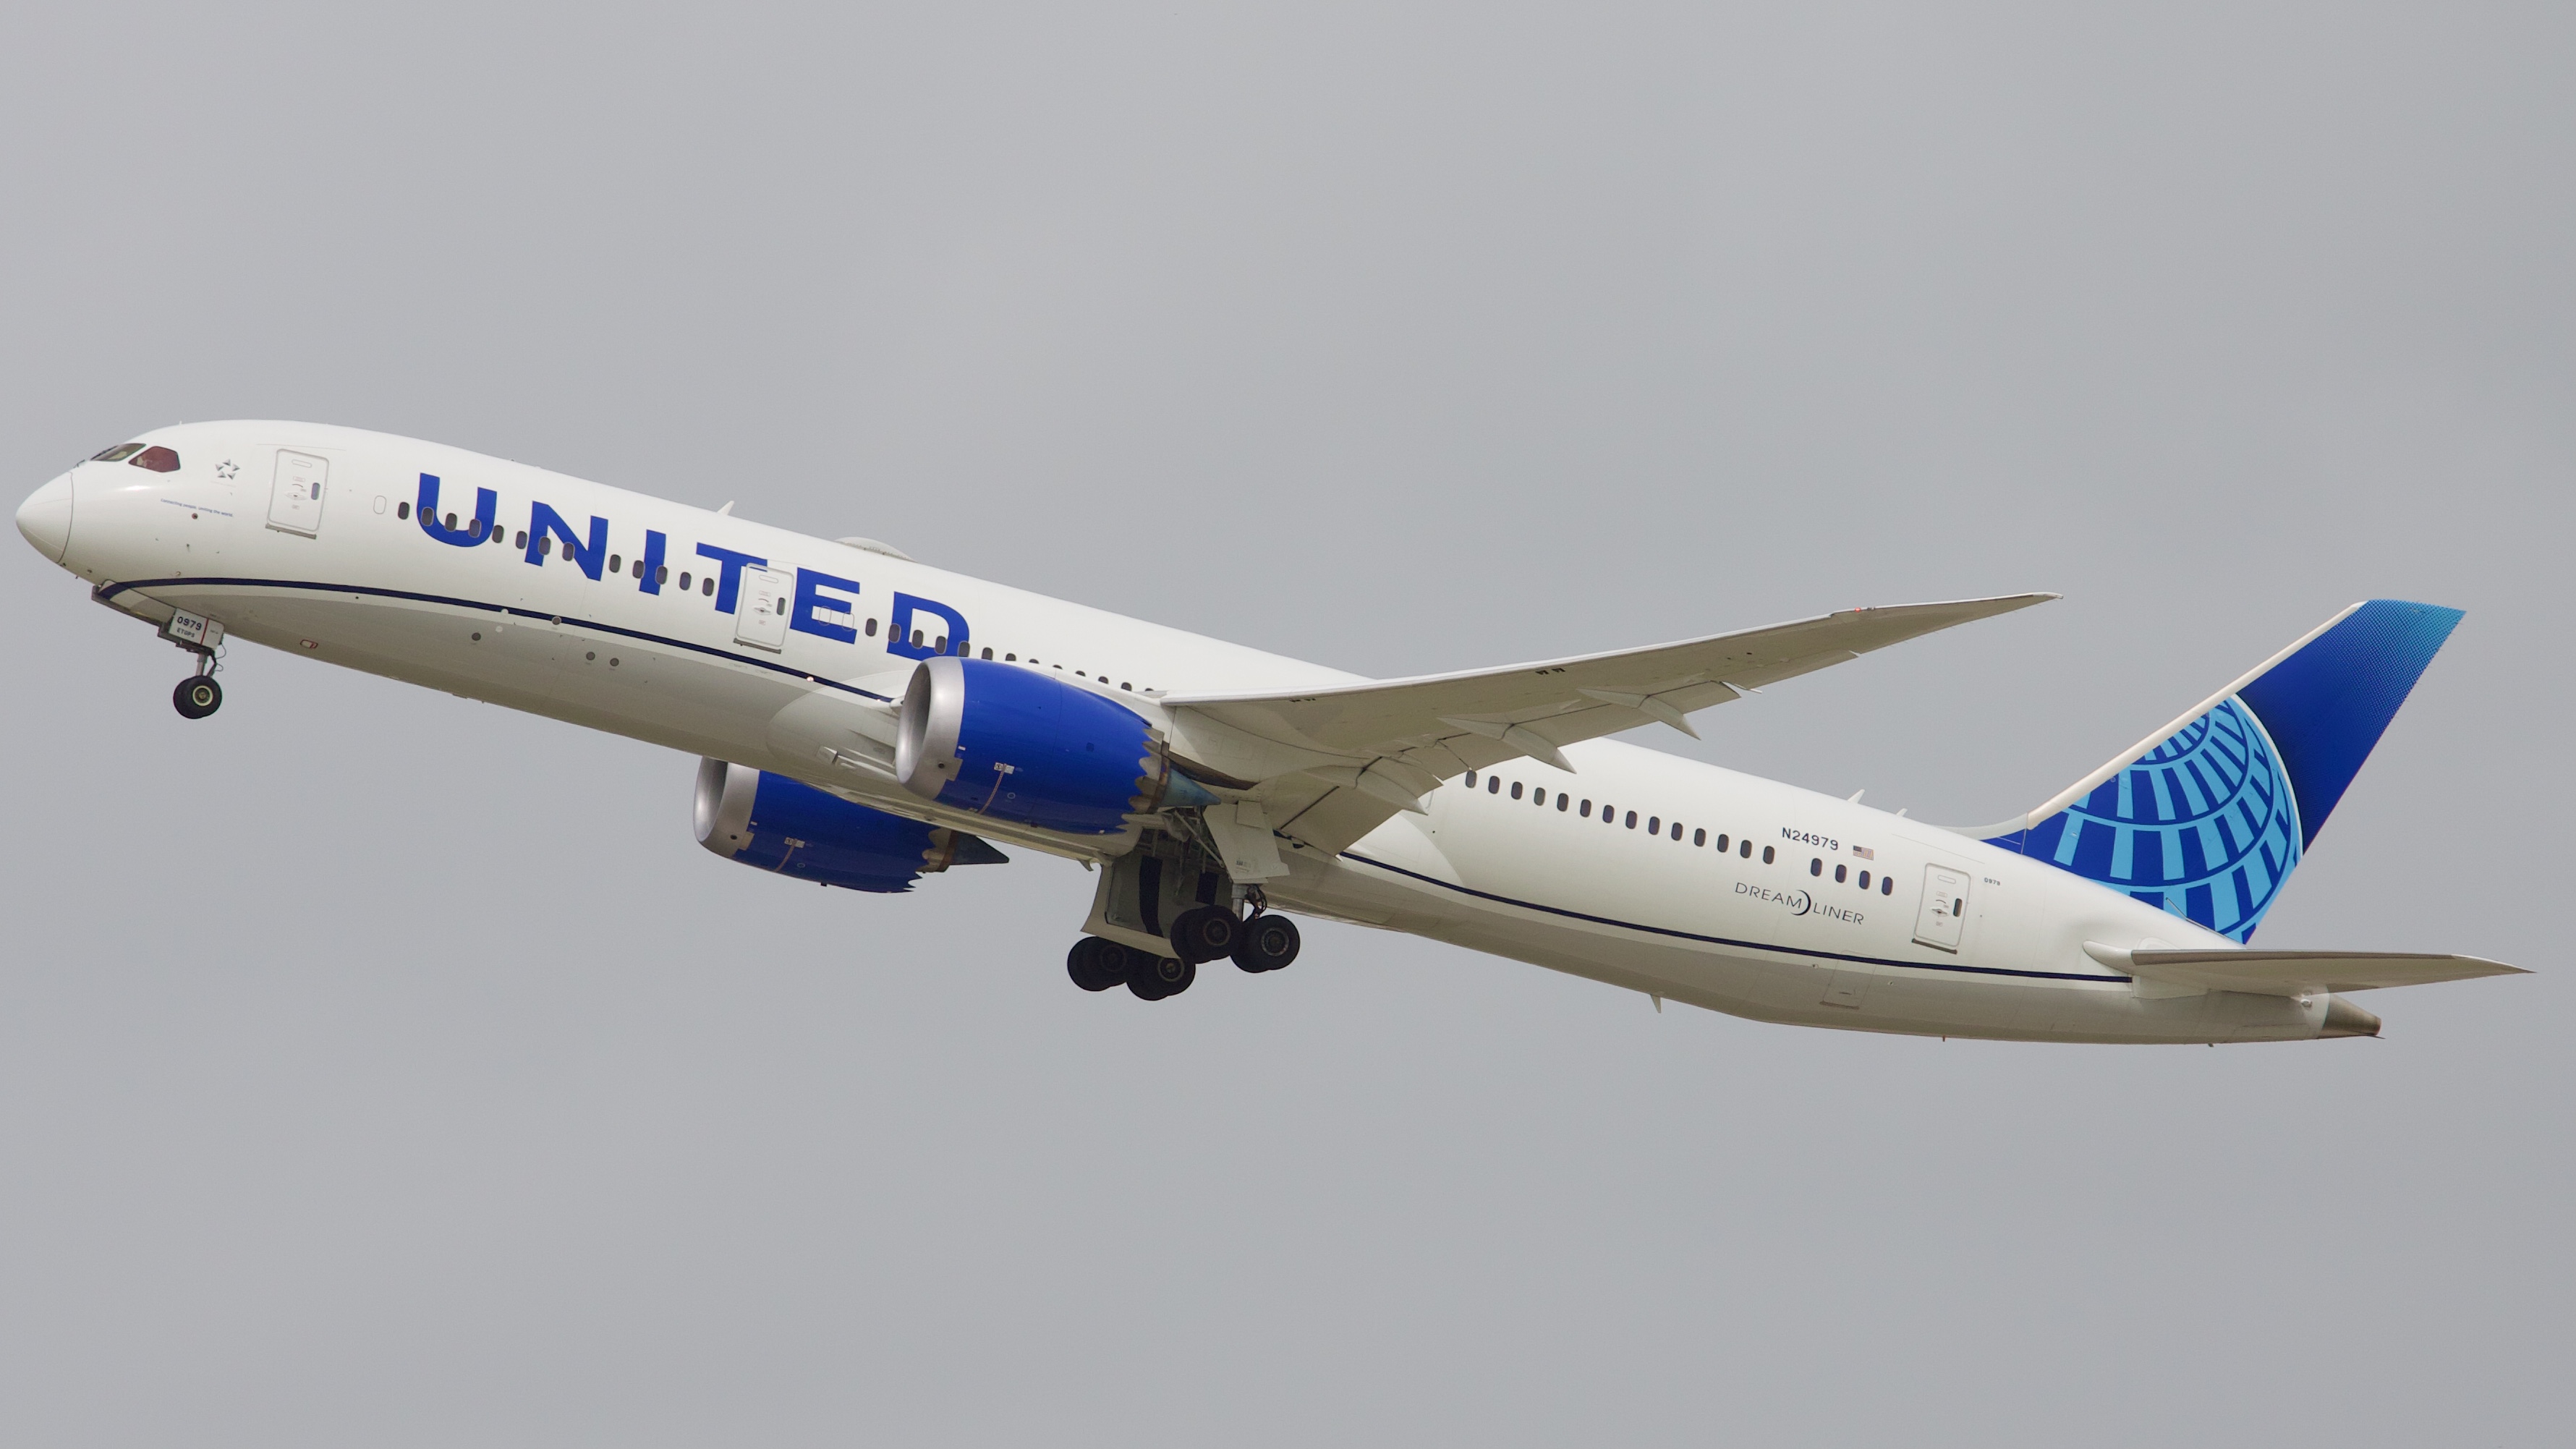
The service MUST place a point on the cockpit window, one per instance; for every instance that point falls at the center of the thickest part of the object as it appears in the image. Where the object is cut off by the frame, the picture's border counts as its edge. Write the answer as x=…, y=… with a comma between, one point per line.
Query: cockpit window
x=159, y=460
x=118, y=454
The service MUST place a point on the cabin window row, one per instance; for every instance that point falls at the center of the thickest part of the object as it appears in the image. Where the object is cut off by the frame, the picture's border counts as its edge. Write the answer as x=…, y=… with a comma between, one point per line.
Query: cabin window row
x=1611, y=815
x=1656, y=826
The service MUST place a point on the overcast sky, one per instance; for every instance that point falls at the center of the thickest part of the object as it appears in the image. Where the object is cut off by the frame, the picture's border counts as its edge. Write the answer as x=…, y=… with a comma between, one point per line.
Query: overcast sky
x=382, y=1068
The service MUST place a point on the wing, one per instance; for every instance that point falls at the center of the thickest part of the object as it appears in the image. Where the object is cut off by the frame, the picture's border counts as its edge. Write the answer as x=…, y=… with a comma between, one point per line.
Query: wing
x=2286, y=973
x=1328, y=766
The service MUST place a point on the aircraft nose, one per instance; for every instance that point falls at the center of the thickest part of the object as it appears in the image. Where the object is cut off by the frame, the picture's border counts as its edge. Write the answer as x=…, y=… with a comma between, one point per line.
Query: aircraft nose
x=46, y=518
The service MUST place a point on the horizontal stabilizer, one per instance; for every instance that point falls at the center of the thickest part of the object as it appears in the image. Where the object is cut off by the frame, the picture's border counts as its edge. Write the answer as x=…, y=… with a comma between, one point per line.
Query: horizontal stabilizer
x=2287, y=973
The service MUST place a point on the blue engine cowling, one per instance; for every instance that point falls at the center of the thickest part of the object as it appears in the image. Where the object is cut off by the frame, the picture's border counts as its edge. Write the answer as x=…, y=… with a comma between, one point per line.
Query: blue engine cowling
x=782, y=825
x=1020, y=745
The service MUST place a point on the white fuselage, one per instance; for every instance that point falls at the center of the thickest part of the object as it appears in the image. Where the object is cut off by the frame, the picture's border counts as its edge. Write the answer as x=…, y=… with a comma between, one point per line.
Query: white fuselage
x=1786, y=933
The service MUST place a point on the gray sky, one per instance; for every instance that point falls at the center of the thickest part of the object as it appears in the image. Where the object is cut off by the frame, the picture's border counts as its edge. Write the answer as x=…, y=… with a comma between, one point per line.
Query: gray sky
x=378, y=1067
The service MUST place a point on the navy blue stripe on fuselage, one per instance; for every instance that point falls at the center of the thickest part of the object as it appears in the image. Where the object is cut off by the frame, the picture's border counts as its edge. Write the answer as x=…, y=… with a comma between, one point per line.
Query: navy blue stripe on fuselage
x=1724, y=941
x=110, y=591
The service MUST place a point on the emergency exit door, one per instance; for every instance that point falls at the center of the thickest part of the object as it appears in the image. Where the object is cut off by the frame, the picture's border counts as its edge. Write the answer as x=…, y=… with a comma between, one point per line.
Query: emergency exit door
x=295, y=495
x=1943, y=920
x=760, y=609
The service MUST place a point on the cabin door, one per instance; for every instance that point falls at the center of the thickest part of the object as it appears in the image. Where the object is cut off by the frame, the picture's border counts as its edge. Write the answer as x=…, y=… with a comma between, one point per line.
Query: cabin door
x=1943, y=919
x=295, y=494
x=760, y=609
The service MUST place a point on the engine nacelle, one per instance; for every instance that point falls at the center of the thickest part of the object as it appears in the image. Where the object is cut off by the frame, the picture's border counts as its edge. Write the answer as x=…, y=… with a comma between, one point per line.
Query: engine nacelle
x=783, y=825
x=1020, y=745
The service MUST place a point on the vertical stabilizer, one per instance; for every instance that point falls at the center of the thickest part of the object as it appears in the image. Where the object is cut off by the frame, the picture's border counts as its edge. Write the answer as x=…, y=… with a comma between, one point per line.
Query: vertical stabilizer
x=2207, y=817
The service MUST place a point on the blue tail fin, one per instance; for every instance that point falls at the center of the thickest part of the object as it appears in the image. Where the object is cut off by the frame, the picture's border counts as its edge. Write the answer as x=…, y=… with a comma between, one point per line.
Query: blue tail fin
x=2208, y=817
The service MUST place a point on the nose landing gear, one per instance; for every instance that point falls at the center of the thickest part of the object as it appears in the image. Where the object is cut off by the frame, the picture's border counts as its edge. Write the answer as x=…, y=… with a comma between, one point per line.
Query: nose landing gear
x=197, y=695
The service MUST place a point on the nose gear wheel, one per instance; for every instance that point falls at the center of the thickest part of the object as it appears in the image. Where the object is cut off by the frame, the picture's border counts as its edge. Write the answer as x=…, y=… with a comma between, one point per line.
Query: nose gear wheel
x=197, y=696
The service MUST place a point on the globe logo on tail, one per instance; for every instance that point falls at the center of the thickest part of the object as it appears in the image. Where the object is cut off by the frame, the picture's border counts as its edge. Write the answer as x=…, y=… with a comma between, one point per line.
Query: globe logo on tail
x=2204, y=825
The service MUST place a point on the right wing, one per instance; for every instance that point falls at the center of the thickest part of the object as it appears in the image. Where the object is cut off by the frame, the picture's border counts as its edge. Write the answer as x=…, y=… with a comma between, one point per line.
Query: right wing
x=1329, y=765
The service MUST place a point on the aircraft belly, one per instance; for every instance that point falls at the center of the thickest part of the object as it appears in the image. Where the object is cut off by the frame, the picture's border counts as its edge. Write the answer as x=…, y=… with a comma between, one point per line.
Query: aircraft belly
x=1783, y=985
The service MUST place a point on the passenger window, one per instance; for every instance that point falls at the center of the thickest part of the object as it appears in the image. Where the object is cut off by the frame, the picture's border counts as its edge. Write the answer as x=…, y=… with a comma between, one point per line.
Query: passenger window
x=916, y=642
x=1816, y=865
x=162, y=460
x=1887, y=885
x=523, y=541
x=1563, y=800
x=1864, y=880
x=450, y=525
x=988, y=653
x=1699, y=837
x=639, y=568
x=1677, y=830
x=1471, y=779
x=707, y=585
x=1587, y=809
x=1014, y=659
x=1722, y=844
x=872, y=628
x=118, y=454
x=1841, y=871
x=1654, y=825
x=1493, y=784
x=1766, y=852
x=402, y=510
x=662, y=575
x=1516, y=789
x=545, y=545
x=616, y=565
x=939, y=646
x=1632, y=819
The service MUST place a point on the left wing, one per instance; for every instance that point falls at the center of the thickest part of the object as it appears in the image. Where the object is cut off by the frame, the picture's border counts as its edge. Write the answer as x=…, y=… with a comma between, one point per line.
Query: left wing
x=1330, y=765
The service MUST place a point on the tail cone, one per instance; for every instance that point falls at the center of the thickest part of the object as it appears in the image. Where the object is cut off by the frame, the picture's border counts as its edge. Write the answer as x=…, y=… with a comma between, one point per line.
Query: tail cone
x=2345, y=1019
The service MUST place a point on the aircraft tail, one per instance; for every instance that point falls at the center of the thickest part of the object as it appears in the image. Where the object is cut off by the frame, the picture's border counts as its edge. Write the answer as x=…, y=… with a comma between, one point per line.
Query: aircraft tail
x=2208, y=816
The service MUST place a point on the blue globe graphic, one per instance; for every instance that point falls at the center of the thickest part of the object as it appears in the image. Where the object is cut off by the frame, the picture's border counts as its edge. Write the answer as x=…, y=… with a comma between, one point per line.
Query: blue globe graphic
x=2203, y=825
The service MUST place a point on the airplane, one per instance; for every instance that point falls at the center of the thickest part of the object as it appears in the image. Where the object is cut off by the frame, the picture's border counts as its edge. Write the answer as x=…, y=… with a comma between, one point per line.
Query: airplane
x=863, y=720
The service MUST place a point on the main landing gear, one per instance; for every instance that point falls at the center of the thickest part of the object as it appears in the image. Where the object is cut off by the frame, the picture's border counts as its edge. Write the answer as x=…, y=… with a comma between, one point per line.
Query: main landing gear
x=1263, y=942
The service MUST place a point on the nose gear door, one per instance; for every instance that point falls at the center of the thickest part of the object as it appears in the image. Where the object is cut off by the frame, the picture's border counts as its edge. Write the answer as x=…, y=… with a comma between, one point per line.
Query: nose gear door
x=1943, y=918
x=295, y=494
